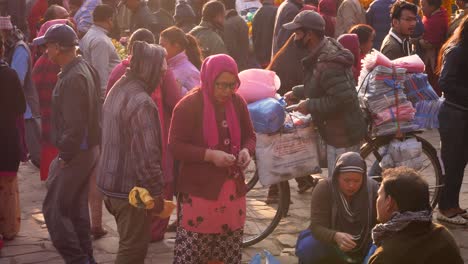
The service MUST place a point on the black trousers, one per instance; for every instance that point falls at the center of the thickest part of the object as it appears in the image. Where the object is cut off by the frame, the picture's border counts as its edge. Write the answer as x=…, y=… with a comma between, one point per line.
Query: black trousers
x=453, y=129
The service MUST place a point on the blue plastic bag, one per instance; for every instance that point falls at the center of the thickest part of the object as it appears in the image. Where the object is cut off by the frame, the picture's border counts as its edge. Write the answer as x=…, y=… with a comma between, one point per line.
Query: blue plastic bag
x=267, y=115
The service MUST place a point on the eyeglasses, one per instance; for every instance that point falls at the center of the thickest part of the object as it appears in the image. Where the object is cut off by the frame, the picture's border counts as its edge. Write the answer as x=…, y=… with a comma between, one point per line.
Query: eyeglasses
x=225, y=85
x=409, y=19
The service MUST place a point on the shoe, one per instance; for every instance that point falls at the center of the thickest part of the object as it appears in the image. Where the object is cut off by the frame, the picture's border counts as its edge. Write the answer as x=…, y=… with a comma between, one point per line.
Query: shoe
x=455, y=220
x=464, y=214
x=99, y=232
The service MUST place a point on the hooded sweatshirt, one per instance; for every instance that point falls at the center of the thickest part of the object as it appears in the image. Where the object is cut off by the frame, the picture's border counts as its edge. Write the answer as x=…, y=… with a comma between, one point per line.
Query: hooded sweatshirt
x=328, y=214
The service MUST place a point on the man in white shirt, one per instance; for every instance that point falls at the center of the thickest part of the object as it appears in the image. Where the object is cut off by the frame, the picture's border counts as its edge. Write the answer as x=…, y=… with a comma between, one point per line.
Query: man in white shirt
x=97, y=47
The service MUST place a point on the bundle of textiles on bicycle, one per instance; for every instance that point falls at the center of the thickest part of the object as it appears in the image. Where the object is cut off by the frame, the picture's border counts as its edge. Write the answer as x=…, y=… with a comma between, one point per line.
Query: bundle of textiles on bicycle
x=417, y=88
x=397, y=94
x=424, y=99
x=427, y=114
x=406, y=153
x=382, y=94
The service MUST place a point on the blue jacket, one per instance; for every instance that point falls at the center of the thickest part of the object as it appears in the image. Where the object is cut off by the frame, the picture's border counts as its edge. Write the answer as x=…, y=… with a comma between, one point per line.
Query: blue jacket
x=378, y=17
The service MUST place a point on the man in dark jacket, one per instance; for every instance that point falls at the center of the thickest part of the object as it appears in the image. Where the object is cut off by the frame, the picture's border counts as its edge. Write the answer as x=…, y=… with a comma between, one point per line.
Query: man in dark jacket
x=331, y=97
x=209, y=33
x=406, y=233
x=141, y=15
x=164, y=17
x=184, y=16
x=286, y=13
x=404, y=19
x=75, y=131
x=236, y=38
x=262, y=31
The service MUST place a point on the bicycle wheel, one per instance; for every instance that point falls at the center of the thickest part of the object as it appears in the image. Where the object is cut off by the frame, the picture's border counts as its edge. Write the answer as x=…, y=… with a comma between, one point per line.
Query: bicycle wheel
x=262, y=217
x=431, y=170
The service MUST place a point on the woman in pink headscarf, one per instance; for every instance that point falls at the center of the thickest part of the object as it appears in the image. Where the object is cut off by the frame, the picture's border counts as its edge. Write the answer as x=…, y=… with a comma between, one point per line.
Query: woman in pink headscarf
x=212, y=137
x=327, y=9
x=351, y=42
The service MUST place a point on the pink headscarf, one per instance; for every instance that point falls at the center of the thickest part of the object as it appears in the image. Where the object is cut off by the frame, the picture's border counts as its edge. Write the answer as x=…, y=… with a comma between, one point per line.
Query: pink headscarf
x=351, y=42
x=212, y=67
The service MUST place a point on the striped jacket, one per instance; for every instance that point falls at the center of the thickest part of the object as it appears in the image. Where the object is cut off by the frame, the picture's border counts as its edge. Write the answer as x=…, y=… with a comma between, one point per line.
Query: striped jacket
x=131, y=141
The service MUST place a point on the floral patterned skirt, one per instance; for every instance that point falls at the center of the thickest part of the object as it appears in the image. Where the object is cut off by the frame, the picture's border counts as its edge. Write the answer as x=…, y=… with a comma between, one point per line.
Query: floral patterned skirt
x=225, y=214
x=10, y=214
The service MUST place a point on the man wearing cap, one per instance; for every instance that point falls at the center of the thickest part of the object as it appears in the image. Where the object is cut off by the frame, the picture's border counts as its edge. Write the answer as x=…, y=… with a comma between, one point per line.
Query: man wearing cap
x=97, y=47
x=75, y=131
x=328, y=93
x=18, y=55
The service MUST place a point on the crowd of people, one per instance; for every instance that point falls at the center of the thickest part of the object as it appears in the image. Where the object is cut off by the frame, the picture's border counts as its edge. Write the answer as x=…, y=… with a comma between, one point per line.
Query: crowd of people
x=165, y=116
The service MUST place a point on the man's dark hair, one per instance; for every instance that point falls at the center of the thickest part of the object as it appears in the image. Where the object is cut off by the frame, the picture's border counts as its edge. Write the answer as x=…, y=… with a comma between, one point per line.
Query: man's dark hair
x=363, y=31
x=435, y=3
x=211, y=10
x=102, y=13
x=229, y=4
x=399, y=6
x=50, y=13
x=168, y=5
x=407, y=187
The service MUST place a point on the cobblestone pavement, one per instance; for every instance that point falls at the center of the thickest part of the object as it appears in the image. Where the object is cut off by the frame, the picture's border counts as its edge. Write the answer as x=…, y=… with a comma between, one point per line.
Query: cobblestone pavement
x=32, y=245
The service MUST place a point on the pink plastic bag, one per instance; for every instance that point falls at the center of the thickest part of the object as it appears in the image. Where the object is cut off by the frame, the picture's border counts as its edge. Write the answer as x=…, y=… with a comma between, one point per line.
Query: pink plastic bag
x=258, y=84
x=412, y=64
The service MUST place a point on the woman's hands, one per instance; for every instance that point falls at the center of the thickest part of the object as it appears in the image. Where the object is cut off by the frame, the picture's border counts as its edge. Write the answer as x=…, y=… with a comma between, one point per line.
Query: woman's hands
x=223, y=159
x=344, y=241
x=244, y=158
x=219, y=158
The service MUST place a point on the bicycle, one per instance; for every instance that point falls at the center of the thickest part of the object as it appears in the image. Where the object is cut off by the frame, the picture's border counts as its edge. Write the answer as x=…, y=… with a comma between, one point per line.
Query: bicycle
x=371, y=151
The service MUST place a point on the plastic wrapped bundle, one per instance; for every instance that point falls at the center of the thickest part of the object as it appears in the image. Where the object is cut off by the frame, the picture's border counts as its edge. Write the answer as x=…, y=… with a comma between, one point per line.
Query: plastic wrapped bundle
x=427, y=114
x=411, y=63
x=296, y=120
x=417, y=88
x=393, y=127
x=380, y=81
x=379, y=103
x=402, y=113
x=267, y=115
x=258, y=84
x=406, y=153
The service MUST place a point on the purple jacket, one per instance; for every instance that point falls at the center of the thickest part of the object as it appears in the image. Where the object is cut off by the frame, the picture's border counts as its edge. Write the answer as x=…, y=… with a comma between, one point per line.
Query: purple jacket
x=186, y=74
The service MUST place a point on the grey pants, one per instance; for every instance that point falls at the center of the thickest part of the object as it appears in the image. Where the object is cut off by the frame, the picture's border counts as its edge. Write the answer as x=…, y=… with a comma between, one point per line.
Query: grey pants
x=134, y=227
x=334, y=153
x=65, y=207
x=32, y=129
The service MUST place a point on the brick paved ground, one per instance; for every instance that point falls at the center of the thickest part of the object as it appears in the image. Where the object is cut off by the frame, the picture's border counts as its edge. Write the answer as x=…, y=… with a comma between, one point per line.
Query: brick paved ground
x=33, y=245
